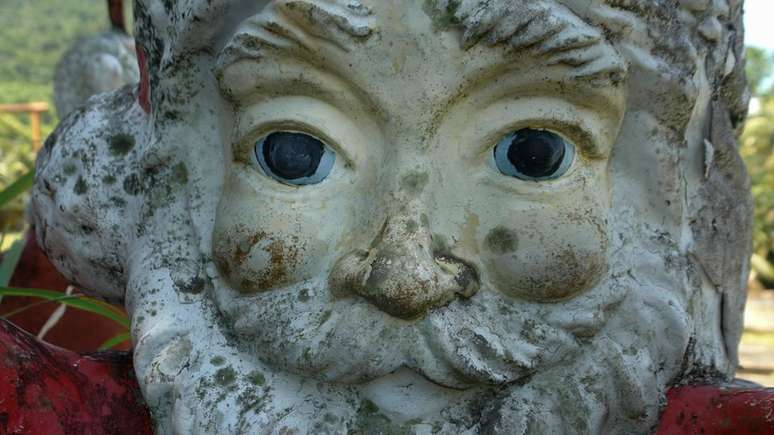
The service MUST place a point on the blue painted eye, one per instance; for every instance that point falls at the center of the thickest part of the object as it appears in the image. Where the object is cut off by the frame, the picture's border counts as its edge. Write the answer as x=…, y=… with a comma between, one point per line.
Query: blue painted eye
x=534, y=155
x=294, y=158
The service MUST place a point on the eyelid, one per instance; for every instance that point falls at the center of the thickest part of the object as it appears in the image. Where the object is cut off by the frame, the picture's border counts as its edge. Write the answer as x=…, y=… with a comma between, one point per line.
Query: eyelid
x=302, y=115
x=246, y=146
x=578, y=138
x=576, y=125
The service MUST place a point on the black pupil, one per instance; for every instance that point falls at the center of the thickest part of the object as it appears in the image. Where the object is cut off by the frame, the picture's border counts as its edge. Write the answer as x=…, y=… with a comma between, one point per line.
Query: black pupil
x=292, y=155
x=536, y=153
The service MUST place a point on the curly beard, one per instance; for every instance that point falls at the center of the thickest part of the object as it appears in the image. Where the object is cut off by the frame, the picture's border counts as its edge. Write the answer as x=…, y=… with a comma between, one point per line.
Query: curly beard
x=595, y=364
x=489, y=339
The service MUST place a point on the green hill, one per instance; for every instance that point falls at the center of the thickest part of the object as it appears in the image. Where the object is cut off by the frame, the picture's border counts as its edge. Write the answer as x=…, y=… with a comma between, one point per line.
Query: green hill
x=33, y=37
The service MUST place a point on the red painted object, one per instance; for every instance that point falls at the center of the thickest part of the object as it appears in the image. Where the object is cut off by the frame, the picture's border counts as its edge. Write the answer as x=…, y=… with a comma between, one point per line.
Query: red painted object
x=143, y=94
x=718, y=411
x=77, y=330
x=48, y=390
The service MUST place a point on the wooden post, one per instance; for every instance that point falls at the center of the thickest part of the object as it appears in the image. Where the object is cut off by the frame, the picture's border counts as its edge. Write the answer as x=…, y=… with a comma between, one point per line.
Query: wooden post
x=35, y=125
x=34, y=109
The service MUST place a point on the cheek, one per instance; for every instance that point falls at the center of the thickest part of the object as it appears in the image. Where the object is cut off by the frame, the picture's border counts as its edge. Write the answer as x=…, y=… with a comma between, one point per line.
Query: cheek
x=546, y=258
x=262, y=244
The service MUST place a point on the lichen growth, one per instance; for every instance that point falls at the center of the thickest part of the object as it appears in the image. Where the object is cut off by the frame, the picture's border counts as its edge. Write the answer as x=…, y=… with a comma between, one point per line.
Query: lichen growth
x=81, y=187
x=120, y=144
x=502, y=241
x=256, y=378
x=225, y=376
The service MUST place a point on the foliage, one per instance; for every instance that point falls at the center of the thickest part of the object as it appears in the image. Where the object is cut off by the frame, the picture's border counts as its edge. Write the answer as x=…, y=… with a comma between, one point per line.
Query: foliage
x=33, y=37
x=76, y=301
x=759, y=69
x=757, y=147
x=81, y=302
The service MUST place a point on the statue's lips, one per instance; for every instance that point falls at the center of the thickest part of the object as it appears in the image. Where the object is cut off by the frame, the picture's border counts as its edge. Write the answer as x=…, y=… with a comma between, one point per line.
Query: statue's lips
x=404, y=284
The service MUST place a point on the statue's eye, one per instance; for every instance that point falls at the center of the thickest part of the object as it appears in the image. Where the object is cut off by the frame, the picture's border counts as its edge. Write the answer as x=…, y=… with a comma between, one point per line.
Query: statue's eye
x=294, y=158
x=534, y=155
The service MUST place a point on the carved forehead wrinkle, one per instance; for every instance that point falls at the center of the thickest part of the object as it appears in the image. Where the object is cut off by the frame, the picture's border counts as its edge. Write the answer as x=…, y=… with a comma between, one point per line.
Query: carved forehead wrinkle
x=546, y=29
x=550, y=32
x=289, y=24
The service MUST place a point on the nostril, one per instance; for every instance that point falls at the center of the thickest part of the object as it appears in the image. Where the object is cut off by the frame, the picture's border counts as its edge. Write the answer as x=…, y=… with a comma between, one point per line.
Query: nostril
x=403, y=283
x=465, y=276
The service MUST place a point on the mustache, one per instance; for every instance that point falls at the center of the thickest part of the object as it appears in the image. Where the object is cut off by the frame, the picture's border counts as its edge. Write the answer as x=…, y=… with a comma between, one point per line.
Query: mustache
x=488, y=339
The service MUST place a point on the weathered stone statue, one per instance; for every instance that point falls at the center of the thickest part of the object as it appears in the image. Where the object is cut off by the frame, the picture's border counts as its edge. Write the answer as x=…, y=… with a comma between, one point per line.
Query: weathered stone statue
x=414, y=216
x=99, y=63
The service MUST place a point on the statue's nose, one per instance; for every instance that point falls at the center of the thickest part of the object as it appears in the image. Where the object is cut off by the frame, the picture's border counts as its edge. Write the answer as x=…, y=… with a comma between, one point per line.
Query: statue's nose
x=400, y=273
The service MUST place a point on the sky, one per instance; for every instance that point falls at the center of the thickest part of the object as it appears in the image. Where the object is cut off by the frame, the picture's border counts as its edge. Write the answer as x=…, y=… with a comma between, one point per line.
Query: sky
x=758, y=23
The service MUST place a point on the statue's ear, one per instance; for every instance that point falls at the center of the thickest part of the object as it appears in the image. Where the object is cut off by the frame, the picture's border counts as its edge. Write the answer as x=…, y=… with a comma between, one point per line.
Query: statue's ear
x=86, y=189
x=721, y=222
x=734, y=90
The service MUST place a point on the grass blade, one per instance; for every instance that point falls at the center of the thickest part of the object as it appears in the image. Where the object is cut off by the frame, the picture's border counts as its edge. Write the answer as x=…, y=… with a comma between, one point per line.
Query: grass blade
x=20, y=310
x=21, y=185
x=77, y=301
x=115, y=341
x=10, y=261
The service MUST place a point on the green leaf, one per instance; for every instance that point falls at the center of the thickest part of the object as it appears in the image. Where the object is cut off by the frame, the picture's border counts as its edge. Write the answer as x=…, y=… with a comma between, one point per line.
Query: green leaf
x=10, y=261
x=23, y=184
x=20, y=310
x=76, y=301
x=115, y=341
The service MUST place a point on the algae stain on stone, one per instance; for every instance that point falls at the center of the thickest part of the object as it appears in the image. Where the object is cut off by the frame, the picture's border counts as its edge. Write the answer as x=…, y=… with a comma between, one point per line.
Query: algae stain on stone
x=120, y=144
x=225, y=376
x=412, y=226
x=414, y=183
x=441, y=20
x=502, y=240
x=256, y=378
x=81, y=187
x=180, y=173
x=70, y=169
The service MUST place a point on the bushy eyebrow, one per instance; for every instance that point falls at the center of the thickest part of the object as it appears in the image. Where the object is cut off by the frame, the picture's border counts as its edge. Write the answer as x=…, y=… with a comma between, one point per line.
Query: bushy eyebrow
x=546, y=29
x=543, y=29
x=289, y=25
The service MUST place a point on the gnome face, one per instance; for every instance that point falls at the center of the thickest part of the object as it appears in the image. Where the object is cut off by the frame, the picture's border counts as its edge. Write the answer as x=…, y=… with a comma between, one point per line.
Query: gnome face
x=495, y=212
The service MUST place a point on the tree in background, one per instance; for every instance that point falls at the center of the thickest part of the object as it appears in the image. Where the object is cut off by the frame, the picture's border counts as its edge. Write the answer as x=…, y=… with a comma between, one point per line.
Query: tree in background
x=759, y=68
x=758, y=152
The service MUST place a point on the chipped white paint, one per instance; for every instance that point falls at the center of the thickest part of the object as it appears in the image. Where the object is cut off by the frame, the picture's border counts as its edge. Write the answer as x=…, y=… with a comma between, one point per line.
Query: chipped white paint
x=417, y=289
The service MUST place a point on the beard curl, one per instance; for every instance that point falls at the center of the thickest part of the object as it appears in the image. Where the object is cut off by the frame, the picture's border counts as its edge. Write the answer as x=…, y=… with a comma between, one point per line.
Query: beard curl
x=618, y=381
x=490, y=339
x=615, y=379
